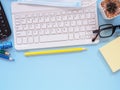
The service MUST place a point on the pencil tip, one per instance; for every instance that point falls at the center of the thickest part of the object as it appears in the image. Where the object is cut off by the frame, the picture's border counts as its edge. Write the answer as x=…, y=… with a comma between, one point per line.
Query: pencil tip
x=84, y=48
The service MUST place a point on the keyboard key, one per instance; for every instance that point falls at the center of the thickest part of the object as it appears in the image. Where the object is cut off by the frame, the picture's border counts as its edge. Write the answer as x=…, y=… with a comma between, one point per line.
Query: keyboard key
x=31, y=26
x=29, y=20
x=41, y=19
x=64, y=30
x=47, y=19
x=54, y=38
x=58, y=18
x=80, y=11
x=85, y=22
x=55, y=25
x=82, y=28
x=29, y=33
x=53, y=19
x=41, y=31
x=71, y=29
x=82, y=34
x=19, y=40
x=49, y=25
x=36, y=39
x=19, y=27
x=23, y=21
x=82, y=16
x=88, y=15
x=79, y=22
x=20, y=34
x=59, y=30
x=37, y=26
x=25, y=27
x=71, y=36
x=30, y=39
x=47, y=31
x=53, y=31
x=61, y=24
x=73, y=23
x=17, y=21
x=76, y=35
x=76, y=29
x=92, y=21
x=70, y=17
x=35, y=20
x=24, y=40
x=93, y=15
x=64, y=18
x=35, y=32
x=76, y=17
x=43, y=25
x=67, y=23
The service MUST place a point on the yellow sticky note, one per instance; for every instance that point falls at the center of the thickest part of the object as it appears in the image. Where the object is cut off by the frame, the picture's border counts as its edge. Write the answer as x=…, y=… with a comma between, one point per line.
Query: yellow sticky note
x=111, y=53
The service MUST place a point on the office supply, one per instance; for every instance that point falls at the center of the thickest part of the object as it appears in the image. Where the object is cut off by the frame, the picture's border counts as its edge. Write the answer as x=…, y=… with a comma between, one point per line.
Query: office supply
x=5, y=30
x=4, y=52
x=111, y=53
x=42, y=27
x=66, y=50
x=6, y=45
x=61, y=3
x=6, y=57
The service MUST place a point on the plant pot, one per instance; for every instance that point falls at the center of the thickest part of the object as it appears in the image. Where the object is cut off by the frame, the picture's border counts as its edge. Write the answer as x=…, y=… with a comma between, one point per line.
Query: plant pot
x=106, y=12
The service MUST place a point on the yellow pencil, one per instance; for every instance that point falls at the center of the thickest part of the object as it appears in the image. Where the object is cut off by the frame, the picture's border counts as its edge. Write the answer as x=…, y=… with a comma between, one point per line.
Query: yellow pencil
x=66, y=50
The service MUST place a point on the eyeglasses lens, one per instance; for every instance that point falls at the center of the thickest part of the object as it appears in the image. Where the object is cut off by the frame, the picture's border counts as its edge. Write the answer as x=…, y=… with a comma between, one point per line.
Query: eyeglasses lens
x=106, y=31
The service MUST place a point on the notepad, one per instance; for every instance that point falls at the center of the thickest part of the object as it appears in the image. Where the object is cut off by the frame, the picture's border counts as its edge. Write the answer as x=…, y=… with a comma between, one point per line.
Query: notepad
x=111, y=53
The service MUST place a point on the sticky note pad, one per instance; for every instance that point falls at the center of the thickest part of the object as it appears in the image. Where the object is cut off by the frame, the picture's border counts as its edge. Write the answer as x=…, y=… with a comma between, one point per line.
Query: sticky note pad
x=111, y=53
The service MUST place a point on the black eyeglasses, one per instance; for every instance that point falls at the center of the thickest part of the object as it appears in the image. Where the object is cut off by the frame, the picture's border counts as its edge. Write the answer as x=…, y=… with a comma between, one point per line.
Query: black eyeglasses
x=105, y=31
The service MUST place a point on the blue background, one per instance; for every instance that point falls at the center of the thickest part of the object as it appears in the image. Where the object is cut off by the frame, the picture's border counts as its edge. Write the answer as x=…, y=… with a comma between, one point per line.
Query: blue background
x=72, y=71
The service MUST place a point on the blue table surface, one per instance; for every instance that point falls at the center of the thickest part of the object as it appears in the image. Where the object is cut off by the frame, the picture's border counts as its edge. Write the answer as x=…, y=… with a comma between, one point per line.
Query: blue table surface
x=72, y=71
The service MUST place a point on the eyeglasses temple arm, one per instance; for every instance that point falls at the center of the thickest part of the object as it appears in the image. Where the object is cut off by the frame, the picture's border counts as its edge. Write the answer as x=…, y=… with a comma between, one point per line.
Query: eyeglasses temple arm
x=95, y=37
x=95, y=31
x=117, y=26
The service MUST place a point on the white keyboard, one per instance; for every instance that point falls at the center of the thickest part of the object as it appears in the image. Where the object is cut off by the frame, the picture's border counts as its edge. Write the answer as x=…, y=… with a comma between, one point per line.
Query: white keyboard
x=44, y=27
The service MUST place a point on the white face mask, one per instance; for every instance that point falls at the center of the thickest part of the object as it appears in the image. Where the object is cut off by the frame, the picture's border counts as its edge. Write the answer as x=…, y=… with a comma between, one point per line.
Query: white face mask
x=59, y=3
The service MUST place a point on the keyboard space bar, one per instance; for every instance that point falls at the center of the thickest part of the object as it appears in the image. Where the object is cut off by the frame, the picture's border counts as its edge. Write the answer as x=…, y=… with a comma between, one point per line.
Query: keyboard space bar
x=54, y=38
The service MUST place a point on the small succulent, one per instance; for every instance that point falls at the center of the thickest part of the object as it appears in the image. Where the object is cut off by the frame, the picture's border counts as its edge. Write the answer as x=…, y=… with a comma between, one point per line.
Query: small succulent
x=111, y=7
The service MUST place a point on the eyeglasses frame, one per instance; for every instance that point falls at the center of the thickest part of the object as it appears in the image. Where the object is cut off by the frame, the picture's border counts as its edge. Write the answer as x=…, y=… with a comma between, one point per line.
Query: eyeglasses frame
x=99, y=30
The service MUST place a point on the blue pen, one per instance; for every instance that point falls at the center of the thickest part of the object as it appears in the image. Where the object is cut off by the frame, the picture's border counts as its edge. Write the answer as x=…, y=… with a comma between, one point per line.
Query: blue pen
x=6, y=57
